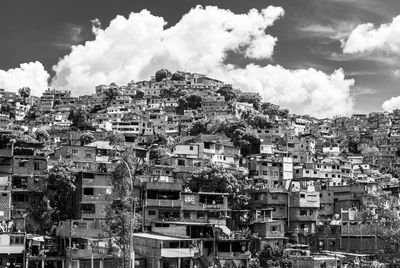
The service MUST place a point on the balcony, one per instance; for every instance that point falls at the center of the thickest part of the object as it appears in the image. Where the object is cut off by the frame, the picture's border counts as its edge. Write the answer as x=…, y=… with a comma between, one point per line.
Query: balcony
x=98, y=252
x=233, y=255
x=359, y=229
x=159, y=185
x=177, y=253
x=79, y=228
x=163, y=203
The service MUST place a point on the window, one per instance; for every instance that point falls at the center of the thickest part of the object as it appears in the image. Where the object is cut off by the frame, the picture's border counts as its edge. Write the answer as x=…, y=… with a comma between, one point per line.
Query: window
x=3, y=194
x=88, y=154
x=88, y=208
x=152, y=212
x=74, y=152
x=16, y=240
x=36, y=166
x=181, y=162
x=88, y=191
x=302, y=196
x=21, y=164
x=191, y=148
x=303, y=212
x=186, y=214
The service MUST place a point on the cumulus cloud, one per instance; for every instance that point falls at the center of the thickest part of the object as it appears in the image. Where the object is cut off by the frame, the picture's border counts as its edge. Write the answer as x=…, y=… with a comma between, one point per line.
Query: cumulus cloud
x=368, y=38
x=304, y=91
x=134, y=48
x=391, y=104
x=30, y=74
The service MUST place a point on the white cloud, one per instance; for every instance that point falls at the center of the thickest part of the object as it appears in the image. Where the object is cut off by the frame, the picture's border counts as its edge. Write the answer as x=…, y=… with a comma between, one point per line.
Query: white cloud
x=391, y=104
x=367, y=38
x=304, y=91
x=134, y=48
x=30, y=74
x=334, y=31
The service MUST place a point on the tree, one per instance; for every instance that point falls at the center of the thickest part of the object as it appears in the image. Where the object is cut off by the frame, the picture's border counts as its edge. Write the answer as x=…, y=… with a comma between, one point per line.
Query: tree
x=162, y=74
x=24, y=92
x=259, y=121
x=79, y=118
x=178, y=76
x=248, y=141
x=199, y=127
x=273, y=257
x=86, y=138
x=376, y=209
x=117, y=140
x=111, y=93
x=118, y=215
x=214, y=178
x=54, y=203
x=370, y=154
x=192, y=101
x=172, y=92
x=252, y=98
x=42, y=135
x=227, y=92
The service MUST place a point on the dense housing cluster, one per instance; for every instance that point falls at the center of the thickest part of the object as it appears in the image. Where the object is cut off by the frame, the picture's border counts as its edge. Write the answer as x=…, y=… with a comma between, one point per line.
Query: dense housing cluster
x=218, y=178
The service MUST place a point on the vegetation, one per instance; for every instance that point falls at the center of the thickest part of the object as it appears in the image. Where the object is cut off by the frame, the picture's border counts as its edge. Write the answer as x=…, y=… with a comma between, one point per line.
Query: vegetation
x=54, y=203
x=214, y=178
x=118, y=217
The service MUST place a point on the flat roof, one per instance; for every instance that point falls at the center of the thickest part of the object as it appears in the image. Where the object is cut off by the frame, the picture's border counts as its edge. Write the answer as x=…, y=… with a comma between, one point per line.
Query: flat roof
x=159, y=237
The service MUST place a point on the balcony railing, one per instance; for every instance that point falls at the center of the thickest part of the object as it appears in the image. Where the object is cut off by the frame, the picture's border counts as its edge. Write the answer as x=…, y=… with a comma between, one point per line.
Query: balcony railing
x=233, y=255
x=163, y=203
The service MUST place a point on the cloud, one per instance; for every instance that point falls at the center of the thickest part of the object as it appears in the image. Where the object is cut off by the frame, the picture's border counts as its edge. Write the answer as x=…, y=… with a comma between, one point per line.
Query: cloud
x=391, y=104
x=134, y=48
x=304, y=91
x=30, y=74
x=335, y=31
x=368, y=38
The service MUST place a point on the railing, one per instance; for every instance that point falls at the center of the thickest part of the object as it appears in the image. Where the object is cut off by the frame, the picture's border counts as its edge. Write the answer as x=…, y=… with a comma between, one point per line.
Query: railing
x=233, y=255
x=163, y=203
x=359, y=229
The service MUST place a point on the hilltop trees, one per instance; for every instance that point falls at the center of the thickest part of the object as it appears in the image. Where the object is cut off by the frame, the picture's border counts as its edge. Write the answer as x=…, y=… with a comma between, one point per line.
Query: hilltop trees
x=227, y=92
x=252, y=98
x=162, y=74
x=24, y=92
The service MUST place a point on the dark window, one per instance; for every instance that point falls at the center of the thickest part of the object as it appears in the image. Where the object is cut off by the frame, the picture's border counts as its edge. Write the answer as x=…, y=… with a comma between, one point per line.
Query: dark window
x=186, y=214
x=3, y=194
x=36, y=166
x=88, y=208
x=21, y=164
x=152, y=212
x=88, y=191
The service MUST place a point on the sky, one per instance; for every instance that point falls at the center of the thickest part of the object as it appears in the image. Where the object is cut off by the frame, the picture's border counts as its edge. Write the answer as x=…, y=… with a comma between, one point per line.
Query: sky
x=323, y=58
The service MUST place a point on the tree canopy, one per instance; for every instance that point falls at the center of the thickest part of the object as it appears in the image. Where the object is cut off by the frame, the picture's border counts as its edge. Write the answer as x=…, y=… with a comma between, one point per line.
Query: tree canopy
x=214, y=178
